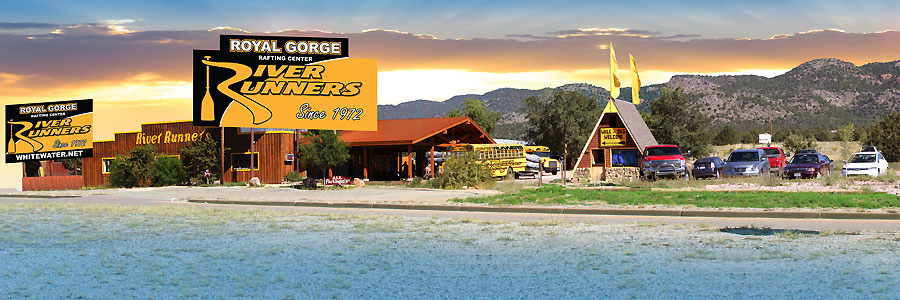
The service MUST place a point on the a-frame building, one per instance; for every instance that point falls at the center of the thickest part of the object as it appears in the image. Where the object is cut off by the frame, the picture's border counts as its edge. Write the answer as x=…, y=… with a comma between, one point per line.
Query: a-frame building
x=612, y=152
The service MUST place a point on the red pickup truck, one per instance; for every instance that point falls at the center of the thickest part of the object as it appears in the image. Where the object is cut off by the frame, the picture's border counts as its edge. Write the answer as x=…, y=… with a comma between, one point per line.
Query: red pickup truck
x=663, y=160
x=777, y=158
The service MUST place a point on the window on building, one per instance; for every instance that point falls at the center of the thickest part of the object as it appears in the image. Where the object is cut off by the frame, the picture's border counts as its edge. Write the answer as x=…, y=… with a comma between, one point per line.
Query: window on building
x=106, y=164
x=624, y=157
x=598, y=156
x=241, y=161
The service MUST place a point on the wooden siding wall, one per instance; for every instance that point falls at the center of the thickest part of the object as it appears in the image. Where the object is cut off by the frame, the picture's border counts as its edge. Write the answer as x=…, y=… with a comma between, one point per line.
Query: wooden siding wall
x=594, y=143
x=272, y=148
x=50, y=183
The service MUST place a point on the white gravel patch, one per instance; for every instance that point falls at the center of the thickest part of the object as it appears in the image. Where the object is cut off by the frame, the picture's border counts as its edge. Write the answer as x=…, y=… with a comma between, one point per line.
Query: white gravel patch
x=52, y=251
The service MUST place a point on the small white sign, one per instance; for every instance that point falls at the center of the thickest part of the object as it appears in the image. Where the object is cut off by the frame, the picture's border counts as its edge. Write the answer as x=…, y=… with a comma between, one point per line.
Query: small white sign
x=765, y=138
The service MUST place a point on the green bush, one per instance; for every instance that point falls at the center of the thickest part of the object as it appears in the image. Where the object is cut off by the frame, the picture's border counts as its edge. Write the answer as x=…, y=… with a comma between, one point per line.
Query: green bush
x=727, y=136
x=134, y=169
x=121, y=174
x=293, y=177
x=417, y=182
x=885, y=135
x=676, y=120
x=199, y=156
x=794, y=142
x=168, y=171
x=845, y=135
x=463, y=170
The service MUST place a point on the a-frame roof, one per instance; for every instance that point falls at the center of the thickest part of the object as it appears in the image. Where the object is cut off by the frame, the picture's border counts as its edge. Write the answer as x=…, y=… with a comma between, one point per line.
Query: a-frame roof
x=635, y=124
x=633, y=121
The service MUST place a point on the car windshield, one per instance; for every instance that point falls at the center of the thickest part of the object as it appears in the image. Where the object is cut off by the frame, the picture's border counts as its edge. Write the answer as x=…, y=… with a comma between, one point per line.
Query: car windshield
x=541, y=153
x=804, y=159
x=772, y=152
x=743, y=156
x=663, y=151
x=862, y=158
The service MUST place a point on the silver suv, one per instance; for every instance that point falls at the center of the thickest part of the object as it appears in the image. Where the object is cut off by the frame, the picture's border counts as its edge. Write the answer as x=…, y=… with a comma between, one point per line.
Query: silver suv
x=747, y=162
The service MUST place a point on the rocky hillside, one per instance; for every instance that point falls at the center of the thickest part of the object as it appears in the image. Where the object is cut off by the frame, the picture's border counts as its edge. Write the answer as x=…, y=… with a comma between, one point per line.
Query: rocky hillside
x=819, y=93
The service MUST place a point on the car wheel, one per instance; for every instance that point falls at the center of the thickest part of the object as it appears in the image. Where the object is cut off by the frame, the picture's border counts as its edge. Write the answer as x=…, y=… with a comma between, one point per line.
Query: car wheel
x=510, y=174
x=554, y=172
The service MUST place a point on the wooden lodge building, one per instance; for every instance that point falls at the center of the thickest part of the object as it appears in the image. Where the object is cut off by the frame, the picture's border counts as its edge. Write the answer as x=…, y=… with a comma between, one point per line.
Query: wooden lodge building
x=398, y=145
x=613, y=150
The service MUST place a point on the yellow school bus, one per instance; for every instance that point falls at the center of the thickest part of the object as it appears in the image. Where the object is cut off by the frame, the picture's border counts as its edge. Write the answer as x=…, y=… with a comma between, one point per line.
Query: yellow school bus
x=503, y=159
x=548, y=164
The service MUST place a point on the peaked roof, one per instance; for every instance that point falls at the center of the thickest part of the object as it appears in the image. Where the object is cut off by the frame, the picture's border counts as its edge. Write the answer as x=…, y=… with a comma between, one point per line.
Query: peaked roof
x=411, y=131
x=633, y=121
x=635, y=124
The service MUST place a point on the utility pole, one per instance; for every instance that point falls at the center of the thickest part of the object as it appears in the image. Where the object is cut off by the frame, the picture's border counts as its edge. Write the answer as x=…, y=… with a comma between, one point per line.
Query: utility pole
x=252, y=149
x=222, y=155
x=769, y=109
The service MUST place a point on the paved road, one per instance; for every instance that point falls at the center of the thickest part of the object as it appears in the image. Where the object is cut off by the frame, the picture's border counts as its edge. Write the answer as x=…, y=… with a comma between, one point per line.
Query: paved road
x=806, y=224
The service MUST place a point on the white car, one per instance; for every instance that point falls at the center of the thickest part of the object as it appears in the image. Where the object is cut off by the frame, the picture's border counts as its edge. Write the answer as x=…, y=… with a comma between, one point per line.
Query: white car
x=865, y=163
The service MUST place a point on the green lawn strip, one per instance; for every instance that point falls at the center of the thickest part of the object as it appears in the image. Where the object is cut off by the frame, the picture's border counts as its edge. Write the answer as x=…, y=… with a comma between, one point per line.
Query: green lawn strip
x=560, y=195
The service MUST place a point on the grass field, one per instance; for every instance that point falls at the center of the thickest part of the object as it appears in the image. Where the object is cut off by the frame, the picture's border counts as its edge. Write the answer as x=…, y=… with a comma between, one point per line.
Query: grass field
x=560, y=195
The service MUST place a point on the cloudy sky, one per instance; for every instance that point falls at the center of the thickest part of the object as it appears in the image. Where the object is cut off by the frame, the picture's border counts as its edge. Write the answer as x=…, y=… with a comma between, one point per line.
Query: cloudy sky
x=133, y=57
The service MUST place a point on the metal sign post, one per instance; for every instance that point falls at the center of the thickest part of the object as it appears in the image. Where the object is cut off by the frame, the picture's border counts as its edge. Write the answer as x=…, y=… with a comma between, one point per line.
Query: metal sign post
x=222, y=155
x=540, y=174
x=252, y=149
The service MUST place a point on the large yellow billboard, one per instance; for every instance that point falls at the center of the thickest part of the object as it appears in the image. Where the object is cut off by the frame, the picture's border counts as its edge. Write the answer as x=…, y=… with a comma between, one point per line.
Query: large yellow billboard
x=284, y=82
x=49, y=130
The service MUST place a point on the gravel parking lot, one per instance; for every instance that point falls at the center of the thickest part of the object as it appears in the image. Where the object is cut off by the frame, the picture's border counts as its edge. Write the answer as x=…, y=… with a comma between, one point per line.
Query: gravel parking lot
x=59, y=250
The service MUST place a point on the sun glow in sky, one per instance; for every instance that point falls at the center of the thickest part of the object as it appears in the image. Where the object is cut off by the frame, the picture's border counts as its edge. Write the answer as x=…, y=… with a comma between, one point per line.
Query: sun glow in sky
x=133, y=58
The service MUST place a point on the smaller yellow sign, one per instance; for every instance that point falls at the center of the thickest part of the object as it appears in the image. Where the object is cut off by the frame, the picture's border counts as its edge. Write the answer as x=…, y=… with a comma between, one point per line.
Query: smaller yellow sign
x=49, y=130
x=612, y=137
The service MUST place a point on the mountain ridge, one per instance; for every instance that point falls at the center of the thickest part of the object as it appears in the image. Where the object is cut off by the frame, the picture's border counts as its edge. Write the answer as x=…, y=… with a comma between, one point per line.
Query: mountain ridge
x=824, y=92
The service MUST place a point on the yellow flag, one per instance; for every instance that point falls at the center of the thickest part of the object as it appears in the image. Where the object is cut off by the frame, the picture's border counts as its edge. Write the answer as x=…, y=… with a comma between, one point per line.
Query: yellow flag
x=614, y=83
x=635, y=82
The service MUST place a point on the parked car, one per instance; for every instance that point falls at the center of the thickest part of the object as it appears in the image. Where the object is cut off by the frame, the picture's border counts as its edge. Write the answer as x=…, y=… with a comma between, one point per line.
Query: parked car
x=808, y=165
x=865, y=163
x=663, y=160
x=807, y=151
x=747, y=162
x=777, y=158
x=868, y=149
x=708, y=167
